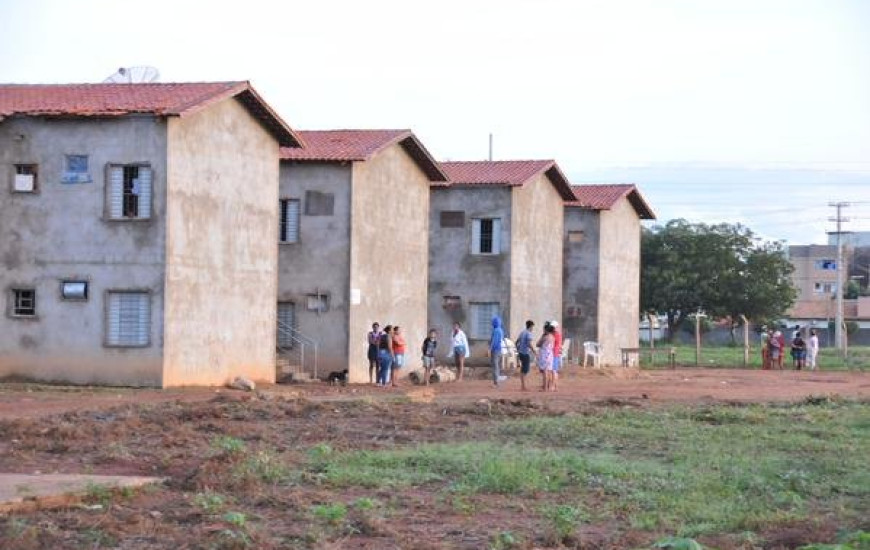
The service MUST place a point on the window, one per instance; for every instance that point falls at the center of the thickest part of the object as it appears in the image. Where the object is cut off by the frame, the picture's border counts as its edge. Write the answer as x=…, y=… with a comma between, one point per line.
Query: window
x=129, y=192
x=25, y=179
x=826, y=265
x=128, y=318
x=452, y=218
x=451, y=302
x=319, y=204
x=481, y=319
x=76, y=170
x=286, y=324
x=575, y=237
x=23, y=302
x=825, y=288
x=318, y=302
x=288, y=229
x=74, y=290
x=485, y=236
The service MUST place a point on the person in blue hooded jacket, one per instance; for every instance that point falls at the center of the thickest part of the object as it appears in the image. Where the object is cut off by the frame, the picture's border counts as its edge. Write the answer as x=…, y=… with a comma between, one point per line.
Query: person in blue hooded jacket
x=495, y=341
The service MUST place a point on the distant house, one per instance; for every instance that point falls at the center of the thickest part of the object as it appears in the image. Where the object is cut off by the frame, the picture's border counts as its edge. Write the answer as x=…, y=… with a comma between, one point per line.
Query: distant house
x=815, y=278
x=353, y=241
x=602, y=267
x=495, y=246
x=133, y=224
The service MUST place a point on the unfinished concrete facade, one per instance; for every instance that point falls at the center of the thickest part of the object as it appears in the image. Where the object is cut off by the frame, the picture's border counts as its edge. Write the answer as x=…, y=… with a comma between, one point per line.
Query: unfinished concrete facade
x=354, y=241
x=495, y=247
x=133, y=223
x=602, y=267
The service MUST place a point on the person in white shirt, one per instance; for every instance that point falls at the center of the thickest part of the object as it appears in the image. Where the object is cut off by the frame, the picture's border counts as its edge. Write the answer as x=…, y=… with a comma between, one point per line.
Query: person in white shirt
x=459, y=349
x=812, y=349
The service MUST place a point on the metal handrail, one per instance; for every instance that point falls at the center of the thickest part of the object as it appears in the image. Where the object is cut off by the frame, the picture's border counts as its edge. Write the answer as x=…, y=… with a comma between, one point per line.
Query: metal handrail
x=298, y=337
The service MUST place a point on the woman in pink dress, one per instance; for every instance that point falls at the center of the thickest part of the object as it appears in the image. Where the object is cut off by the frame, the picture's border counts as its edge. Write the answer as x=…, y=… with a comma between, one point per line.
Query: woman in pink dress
x=546, y=344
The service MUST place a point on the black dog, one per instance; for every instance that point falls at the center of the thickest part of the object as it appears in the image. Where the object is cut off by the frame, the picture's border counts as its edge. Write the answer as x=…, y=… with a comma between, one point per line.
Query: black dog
x=337, y=377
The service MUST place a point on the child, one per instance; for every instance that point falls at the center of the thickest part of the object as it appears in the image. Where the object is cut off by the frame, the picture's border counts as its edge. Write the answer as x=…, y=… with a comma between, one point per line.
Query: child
x=430, y=343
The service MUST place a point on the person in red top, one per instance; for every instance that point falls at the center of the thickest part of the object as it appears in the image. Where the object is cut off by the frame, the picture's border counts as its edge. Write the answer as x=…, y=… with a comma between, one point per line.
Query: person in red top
x=557, y=353
x=399, y=351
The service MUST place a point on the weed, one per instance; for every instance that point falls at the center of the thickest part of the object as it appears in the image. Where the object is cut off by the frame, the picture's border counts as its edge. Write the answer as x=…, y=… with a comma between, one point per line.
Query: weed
x=237, y=519
x=365, y=503
x=676, y=543
x=504, y=541
x=262, y=466
x=462, y=505
x=320, y=451
x=232, y=539
x=209, y=502
x=563, y=519
x=98, y=493
x=97, y=537
x=17, y=527
x=334, y=514
x=227, y=445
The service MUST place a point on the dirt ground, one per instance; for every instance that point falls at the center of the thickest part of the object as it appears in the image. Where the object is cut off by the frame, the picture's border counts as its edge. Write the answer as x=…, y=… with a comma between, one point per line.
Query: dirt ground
x=679, y=385
x=171, y=434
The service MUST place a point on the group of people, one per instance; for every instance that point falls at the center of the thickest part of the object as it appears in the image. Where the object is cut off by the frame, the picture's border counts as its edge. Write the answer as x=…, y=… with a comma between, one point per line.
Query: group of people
x=387, y=350
x=386, y=354
x=803, y=352
x=548, y=354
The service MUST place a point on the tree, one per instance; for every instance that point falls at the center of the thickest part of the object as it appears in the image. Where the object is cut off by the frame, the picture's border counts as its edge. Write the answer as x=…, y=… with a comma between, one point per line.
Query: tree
x=722, y=269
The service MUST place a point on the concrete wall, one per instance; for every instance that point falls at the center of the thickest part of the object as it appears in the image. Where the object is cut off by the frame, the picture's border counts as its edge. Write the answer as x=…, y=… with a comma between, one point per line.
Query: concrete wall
x=454, y=271
x=320, y=261
x=221, y=279
x=61, y=233
x=536, y=255
x=389, y=253
x=619, y=280
x=581, y=274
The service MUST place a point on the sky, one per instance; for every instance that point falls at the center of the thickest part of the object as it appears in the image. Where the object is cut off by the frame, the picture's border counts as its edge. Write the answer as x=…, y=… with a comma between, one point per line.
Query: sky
x=741, y=111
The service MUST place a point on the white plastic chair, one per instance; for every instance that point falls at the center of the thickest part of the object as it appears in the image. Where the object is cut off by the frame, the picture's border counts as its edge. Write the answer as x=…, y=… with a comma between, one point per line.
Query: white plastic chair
x=593, y=350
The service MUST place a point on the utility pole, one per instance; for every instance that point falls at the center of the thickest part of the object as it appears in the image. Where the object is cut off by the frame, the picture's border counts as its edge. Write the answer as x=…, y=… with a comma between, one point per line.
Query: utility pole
x=839, y=332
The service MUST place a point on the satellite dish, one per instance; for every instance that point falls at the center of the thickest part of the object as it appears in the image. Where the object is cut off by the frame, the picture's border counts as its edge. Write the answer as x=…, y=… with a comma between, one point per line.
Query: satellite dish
x=133, y=75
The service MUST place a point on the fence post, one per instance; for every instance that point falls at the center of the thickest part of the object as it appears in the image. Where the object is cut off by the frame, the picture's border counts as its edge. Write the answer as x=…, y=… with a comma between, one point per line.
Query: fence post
x=745, y=340
x=698, y=339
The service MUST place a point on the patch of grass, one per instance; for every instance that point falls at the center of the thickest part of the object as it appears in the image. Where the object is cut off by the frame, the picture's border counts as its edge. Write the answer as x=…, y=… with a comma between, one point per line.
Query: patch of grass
x=227, y=445
x=365, y=504
x=563, y=520
x=678, y=543
x=333, y=514
x=731, y=356
x=261, y=467
x=98, y=493
x=690, y=471
x=504, y=541
x=209, y=502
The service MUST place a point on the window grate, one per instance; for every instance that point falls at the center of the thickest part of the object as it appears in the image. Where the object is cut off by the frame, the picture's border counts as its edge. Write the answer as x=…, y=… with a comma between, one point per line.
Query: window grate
x=288, y=229
x=129, y=319
x=481, y=319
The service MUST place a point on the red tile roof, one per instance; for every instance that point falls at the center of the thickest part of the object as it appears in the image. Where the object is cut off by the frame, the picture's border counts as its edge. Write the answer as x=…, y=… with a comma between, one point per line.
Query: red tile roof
x=604, y=196
x=511, y=173
x=160, y=99
x=361, y=145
